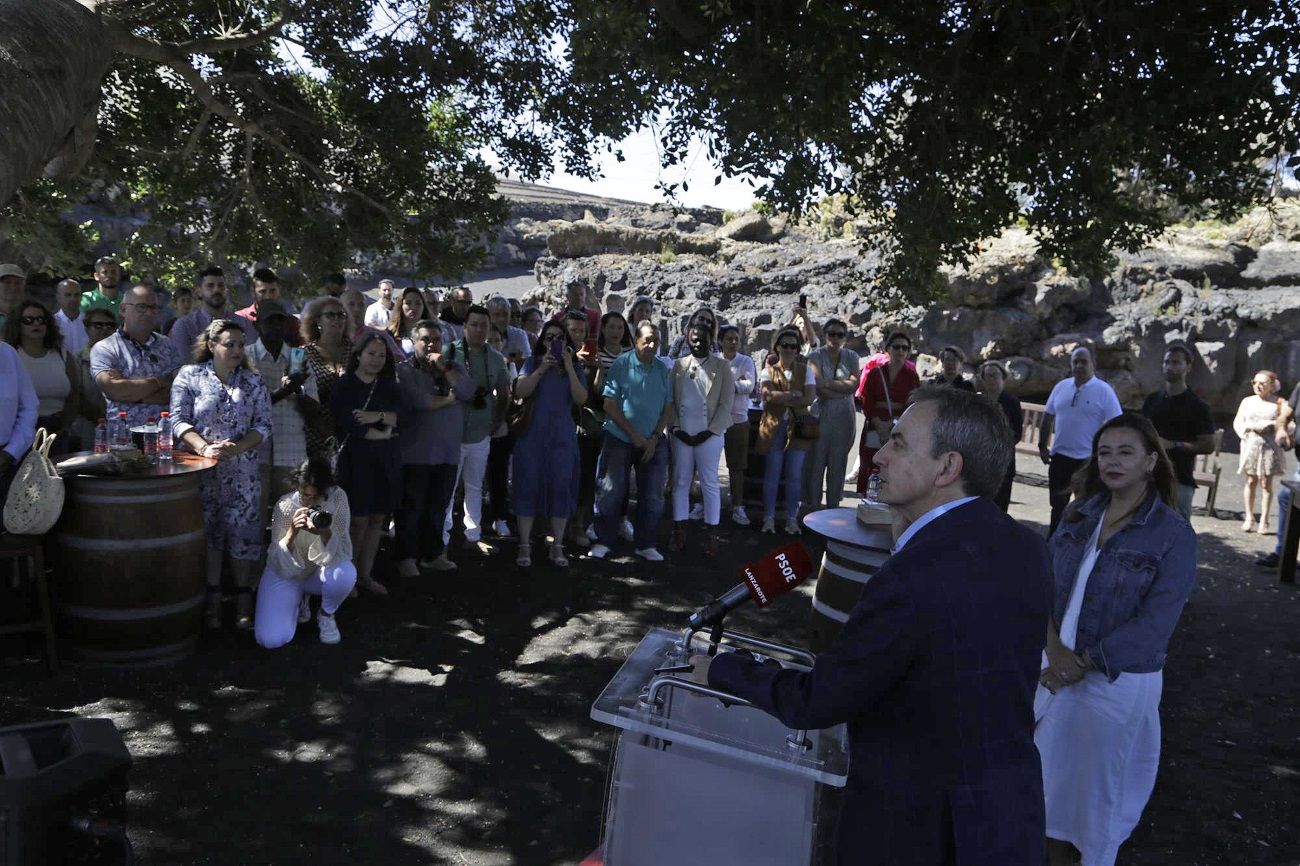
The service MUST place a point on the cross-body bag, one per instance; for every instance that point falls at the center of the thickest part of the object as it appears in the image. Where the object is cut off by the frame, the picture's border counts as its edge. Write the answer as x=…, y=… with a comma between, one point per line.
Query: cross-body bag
x=873, y=438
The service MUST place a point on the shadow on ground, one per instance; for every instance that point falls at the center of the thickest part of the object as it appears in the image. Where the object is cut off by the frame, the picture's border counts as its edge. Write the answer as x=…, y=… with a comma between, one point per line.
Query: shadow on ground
x=451, y=725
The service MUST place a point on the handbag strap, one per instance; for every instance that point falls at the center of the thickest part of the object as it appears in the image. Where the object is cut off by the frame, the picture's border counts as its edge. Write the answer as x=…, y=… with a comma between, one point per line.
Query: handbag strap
x=364, y=407
x=888, y=400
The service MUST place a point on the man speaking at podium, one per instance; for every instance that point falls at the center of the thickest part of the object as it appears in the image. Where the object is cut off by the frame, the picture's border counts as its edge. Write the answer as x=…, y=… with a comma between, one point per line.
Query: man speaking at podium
x=935, y=670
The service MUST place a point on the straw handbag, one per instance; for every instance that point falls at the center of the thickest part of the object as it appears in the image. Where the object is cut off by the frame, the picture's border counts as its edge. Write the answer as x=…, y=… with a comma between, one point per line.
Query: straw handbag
x=36, y=496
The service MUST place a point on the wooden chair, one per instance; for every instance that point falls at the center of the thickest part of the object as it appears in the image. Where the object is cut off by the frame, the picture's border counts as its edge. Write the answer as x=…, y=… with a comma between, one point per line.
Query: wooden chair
x=1033, y=413
x=21, y=550
x=1206, y=471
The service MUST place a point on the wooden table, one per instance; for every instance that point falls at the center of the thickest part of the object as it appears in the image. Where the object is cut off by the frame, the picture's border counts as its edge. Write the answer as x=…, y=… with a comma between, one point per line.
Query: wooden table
x=1291, y=540
x=130, y=564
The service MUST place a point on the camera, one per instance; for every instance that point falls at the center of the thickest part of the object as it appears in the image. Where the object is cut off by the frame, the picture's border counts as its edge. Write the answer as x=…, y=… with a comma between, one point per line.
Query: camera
x=319, y=519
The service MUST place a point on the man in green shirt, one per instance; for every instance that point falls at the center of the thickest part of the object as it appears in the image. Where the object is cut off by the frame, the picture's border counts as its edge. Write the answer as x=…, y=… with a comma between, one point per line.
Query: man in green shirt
x=107, y=295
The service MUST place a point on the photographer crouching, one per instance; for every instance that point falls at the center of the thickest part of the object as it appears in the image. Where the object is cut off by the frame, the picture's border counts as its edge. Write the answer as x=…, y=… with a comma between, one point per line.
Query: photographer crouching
x=311, y=554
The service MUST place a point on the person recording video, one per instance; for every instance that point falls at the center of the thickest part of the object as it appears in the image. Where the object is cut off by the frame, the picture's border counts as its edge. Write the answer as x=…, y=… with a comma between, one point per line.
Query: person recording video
x=936, y=668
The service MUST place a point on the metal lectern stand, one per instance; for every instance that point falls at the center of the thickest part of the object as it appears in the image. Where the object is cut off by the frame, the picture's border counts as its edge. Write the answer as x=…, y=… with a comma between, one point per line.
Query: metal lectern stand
x=700, y=776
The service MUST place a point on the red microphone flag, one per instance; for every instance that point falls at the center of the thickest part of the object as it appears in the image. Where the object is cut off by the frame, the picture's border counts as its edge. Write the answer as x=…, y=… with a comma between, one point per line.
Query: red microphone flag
x=778, y=572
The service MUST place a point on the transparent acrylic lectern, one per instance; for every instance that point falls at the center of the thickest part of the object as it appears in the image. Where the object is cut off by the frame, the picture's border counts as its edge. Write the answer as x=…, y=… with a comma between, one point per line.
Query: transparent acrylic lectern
x=699, y=776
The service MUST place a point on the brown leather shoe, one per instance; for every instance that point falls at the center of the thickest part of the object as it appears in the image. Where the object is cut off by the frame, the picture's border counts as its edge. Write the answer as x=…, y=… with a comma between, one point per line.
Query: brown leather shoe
x=677, y=543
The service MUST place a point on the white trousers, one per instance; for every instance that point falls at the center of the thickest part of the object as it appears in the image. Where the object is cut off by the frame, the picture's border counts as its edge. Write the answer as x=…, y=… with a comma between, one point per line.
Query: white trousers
x=689, y=460
x=470, y=472
x=278, y=598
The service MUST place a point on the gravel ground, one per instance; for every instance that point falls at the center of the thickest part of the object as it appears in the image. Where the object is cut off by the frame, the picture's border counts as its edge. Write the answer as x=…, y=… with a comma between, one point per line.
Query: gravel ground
x=452, y=726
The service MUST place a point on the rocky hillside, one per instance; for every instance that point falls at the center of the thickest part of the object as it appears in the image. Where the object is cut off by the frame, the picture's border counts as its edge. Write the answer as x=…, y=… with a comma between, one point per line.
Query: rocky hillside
x=1231, y=291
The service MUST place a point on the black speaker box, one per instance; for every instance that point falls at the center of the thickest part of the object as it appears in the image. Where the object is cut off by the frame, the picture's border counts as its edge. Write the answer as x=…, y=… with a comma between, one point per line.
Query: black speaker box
x=63, y=794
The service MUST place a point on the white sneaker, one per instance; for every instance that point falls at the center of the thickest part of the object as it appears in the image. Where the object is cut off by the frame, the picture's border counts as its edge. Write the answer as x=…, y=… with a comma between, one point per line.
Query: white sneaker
x=852, y=478
x=598, y=551
x=739, y=517
x=501, y=528
x=697, y=513
x=792, y=527
x=625, y=530
x=329, y=629
x=649, y=554
x=304, y=609
x=440, y=563
x=769, y=526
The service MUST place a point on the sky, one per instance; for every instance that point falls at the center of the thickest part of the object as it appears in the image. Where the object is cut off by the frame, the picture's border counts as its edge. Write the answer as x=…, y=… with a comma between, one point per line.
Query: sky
x=636, y=176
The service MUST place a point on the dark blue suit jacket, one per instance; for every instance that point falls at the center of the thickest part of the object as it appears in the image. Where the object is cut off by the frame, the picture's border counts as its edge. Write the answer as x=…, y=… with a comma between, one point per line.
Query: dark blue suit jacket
x=934, y=673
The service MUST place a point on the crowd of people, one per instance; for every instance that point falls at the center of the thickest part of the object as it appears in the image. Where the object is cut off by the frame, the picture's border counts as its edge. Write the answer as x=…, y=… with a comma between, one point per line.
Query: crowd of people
x=333, y=428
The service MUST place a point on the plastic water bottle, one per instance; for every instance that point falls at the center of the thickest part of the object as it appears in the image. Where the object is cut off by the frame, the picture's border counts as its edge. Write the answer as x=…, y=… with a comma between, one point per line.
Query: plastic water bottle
x=164, y=439
x=151, y=438
x=873, y=485
x=101, y=436
x=119, y=436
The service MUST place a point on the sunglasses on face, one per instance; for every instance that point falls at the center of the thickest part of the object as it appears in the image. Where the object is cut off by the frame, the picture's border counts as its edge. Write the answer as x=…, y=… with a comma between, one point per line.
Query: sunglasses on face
x=35, y=320
x=900, y=347
x=101, y=326
x=333, y=314
x=836, y=335
x=793, y=347
x=145, y=308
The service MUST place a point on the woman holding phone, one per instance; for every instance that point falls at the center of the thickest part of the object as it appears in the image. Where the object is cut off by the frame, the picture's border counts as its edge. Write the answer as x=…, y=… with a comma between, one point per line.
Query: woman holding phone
x=546, y=459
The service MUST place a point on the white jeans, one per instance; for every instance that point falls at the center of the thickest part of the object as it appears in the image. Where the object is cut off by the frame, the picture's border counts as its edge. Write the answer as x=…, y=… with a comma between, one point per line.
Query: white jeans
x=278, y=598
x=470, y=472
x=687, y=461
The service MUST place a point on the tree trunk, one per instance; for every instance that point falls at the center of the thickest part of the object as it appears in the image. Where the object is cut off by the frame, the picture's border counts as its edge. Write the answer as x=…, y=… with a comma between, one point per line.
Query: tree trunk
x=54, y=55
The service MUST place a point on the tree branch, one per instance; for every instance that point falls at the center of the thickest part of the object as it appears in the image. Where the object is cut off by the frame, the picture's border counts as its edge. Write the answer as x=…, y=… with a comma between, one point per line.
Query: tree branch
x=210, y=102
x=163, y=52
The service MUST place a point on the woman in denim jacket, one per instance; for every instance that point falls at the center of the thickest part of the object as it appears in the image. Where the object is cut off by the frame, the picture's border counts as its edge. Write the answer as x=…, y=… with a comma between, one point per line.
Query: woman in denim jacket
x=1124, y=562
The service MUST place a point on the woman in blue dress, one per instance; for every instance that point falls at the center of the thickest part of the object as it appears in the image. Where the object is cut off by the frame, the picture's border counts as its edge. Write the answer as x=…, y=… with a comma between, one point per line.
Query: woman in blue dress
x=365, y=405
x=546, y=457
x=220, y=408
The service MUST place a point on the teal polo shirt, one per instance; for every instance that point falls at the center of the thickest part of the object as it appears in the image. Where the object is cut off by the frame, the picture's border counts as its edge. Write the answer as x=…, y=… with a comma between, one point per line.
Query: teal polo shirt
x=641, y=391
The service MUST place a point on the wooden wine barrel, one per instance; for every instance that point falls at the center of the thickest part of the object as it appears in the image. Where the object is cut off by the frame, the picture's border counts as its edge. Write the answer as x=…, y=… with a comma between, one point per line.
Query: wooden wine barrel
x=853, y=554
x=130, y=557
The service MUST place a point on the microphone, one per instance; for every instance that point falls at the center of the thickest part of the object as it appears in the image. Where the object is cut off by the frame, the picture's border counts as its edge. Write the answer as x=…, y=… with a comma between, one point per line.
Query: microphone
x=774, y=574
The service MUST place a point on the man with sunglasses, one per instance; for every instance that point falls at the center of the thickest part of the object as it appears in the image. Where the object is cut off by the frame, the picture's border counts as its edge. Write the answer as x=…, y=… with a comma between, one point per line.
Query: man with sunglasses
x=95, y=324
x=135, y=366
x=1075, y=411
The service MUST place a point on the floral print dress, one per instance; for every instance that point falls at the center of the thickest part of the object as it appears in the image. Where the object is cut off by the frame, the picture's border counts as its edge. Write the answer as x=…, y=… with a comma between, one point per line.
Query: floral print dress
x=232, y=489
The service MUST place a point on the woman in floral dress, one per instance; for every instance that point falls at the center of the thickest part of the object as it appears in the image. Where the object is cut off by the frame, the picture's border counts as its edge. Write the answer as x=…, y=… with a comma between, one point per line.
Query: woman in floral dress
x=220, y=408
